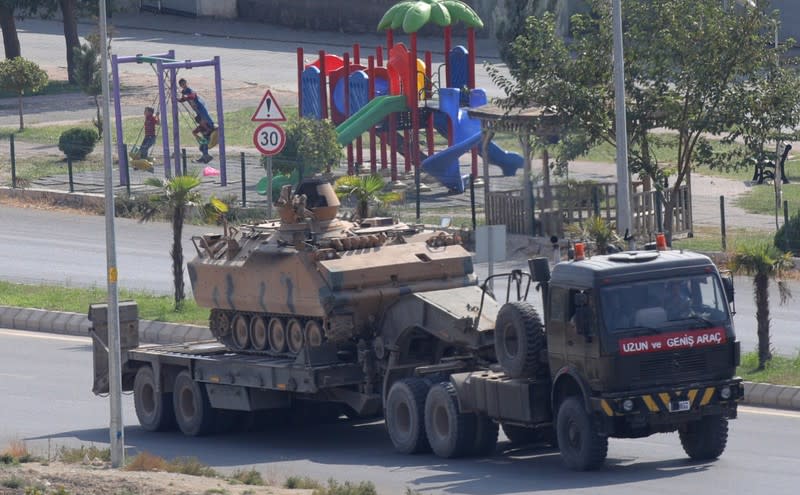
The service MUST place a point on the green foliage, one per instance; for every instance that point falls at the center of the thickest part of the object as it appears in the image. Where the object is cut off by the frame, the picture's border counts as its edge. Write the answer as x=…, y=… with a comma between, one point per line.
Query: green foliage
x=599, y=232
x=788, y=236
x=248, y=477
x=73, y=455
x=77, y=142
x=780, y=370
x=365, y=190
x=13, y=482
x=87, y=73
x=302, y=483
x=191, y=466
x=310, y=145
x=21, y=76
x=347, y=488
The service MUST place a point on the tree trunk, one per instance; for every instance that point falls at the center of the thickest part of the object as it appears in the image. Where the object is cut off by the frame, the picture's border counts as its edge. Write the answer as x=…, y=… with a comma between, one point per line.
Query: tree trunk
x=21, y=121
x=177, y=255
x=9, y=27
x=99, y=122
x=70, y=35
x=761, y=289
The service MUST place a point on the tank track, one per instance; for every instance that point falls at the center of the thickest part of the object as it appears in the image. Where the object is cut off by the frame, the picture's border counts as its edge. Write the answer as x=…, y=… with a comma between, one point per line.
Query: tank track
x=260, y=333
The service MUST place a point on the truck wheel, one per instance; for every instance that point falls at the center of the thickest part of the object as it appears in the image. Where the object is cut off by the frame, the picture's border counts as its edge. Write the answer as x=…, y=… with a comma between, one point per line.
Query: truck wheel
x=485, y=436
x=582, y=449
x=519, y=435
x=193, y=412
x=519, y=340
x=706, y=438
x=450, y=432
x=154, y=410
x=405, y=415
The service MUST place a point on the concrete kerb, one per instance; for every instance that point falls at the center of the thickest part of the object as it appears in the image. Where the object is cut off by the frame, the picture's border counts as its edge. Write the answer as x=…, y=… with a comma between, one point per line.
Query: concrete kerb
x=156, y=332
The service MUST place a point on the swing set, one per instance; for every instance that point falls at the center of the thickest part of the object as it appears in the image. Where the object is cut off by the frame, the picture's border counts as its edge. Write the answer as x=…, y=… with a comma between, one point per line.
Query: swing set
x=166, y=68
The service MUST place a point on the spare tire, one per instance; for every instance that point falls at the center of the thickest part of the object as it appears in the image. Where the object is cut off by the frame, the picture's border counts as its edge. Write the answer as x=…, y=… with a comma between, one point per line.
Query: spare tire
x=519, y=341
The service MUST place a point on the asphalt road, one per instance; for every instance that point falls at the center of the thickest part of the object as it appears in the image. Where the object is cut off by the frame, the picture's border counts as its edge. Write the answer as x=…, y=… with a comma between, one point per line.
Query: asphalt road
x=45, y=400
x=62, y=248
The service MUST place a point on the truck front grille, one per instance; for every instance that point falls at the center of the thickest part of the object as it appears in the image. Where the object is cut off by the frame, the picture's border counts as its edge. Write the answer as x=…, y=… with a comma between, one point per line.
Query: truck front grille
x=672, y=366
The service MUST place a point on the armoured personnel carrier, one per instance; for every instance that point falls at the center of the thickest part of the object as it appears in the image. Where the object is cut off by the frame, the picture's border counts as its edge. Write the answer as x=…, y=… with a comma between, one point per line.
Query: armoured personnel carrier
x=311, y=282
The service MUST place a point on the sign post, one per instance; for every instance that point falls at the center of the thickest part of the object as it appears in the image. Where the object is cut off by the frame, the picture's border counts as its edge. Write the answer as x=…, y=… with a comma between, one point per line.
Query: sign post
x=269, y=138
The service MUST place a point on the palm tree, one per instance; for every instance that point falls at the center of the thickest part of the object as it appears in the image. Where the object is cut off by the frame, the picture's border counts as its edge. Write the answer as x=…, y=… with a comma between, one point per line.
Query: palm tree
x=764, y=262
x=365, y=189
x=413, y=15
x=172, y=198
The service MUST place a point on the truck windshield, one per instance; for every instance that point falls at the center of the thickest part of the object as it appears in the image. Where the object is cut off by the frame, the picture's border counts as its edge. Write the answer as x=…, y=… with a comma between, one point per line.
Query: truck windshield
x=696, y=301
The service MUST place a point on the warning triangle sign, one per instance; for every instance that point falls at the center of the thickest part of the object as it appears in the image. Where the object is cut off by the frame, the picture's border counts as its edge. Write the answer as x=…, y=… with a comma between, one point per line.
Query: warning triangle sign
x=268, y=110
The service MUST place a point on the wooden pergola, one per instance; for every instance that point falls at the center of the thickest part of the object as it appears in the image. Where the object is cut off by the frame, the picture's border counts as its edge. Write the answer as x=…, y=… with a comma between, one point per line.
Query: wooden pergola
x=524, y=123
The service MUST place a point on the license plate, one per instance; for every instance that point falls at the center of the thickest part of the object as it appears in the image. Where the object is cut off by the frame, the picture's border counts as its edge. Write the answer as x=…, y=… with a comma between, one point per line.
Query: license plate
x=680, y=406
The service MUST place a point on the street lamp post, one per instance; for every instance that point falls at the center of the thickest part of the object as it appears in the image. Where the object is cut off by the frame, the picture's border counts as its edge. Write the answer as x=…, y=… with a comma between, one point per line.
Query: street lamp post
x=624, y=226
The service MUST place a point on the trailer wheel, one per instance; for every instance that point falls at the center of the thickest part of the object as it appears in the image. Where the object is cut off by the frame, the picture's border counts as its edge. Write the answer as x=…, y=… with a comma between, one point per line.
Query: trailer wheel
x=405, y=415
x=450, y=433
x=519, y=340
x=706, y=438
x=485, y=435
x=582, y=448
x=193, y=411
x=153, y=409
x=520, y=435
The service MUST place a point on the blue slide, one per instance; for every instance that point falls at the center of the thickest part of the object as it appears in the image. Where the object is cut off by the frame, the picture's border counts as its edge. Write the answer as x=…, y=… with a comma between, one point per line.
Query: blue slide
x=465, y=130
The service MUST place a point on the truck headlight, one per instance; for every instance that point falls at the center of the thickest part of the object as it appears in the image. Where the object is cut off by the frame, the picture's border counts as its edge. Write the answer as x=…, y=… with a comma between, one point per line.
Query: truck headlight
x=627, y=405
x=725, y=393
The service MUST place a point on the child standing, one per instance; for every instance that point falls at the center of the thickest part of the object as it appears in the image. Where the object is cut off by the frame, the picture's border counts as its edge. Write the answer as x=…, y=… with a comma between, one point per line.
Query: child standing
x=150, y=123
x=197, y=103
x=202, y=133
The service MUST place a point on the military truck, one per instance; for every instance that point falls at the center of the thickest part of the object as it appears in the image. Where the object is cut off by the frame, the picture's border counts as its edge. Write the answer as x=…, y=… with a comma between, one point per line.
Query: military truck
x=399, y=326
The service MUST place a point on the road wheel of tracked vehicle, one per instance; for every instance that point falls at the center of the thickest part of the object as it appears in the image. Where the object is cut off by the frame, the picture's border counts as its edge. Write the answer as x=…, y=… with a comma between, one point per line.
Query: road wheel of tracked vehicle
x=240, y=332
x=219, y=323
x=519, y=435
x=405, y=415
x=294, y=334
x=258, y=333
x=154, y=409
x=519, y=340
x=313, y=333
x=706, y=438
x=277, y=335
x=451, y=433
x=582, y=449
x=193, y=412
x=485, y=435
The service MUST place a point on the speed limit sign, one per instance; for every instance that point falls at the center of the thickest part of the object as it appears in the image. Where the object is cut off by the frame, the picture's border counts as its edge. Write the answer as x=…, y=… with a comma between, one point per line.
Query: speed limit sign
x=269, y=138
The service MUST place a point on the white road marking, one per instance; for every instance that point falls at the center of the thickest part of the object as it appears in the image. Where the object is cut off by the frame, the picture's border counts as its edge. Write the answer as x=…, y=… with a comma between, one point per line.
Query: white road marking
x=770, y=412
x=41, y=335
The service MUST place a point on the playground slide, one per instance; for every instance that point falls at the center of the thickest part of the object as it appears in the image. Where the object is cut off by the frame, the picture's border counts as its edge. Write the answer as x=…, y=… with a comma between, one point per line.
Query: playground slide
x=444, y=164
x=369, y=115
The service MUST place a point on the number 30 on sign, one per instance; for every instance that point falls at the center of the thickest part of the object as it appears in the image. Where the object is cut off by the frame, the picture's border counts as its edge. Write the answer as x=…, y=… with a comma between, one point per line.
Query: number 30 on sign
x=269, y=138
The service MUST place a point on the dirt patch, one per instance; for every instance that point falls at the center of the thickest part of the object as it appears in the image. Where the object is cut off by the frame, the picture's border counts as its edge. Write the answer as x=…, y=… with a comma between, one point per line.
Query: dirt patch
x=99, y=479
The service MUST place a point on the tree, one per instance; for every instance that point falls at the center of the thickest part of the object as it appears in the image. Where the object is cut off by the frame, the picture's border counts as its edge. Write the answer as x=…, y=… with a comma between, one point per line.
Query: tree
x=311, y=146
x=764, y=262
x=366, y=190
x=88, y=75
x=69, y=14
x=9, y=27
x=691, y=66
x=172, y=198
x=19, y=76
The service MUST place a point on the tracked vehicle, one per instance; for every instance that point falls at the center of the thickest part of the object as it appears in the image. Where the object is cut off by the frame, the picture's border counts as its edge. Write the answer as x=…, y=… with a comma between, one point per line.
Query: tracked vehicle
x=313, y=280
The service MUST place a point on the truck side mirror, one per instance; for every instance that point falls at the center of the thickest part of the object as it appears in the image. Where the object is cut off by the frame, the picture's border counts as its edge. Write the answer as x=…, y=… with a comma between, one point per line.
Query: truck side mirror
x=727, y=284
x=583, y=314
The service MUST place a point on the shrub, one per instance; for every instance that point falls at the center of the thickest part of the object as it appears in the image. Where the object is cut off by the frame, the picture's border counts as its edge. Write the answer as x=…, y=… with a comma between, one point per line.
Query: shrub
x=77, y=142
x=311, y=145
x=249, y=477
x=788, y=236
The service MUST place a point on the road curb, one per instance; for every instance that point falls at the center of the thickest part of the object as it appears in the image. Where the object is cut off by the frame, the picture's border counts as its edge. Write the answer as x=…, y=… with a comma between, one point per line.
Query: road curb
x=157, y=332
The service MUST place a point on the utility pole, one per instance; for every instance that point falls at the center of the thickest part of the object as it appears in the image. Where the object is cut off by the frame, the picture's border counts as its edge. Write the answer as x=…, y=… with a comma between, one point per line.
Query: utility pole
x=116, y=428
x=624, y=224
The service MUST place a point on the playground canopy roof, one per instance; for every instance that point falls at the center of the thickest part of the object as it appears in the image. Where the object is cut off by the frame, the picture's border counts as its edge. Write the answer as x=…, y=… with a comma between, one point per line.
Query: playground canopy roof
x=533, y=120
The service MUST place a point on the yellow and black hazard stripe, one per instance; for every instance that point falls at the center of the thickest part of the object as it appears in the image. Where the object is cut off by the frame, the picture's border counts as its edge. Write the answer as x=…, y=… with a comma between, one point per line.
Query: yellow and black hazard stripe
x=660, y=402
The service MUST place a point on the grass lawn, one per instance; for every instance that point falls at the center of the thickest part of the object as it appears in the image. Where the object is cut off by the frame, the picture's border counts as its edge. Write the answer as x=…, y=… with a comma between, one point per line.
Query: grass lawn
x=761, y=199
x=779, y=370
x=709, y=239
x=53, y=87
x=77, y=300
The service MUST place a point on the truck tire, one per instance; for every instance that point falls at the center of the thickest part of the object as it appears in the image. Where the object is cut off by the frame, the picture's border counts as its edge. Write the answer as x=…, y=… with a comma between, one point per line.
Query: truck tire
x=193, y=412
x=485, y=436
x=450, y=433
x=582, y=448
x=405, y=415
x=520, y=435
x=519, y=340
x=706, y=438
x=153, y=409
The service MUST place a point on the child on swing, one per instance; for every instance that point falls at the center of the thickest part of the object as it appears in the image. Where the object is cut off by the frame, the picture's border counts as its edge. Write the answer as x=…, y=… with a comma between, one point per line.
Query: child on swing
x=203, y=133
x=150, y=123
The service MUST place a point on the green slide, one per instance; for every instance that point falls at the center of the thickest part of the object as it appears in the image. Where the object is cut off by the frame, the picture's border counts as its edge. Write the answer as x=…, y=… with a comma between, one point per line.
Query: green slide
x=369, y=115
